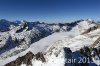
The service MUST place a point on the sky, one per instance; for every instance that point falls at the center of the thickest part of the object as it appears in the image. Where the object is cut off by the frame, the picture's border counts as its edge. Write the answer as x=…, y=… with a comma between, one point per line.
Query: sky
x=49, y=10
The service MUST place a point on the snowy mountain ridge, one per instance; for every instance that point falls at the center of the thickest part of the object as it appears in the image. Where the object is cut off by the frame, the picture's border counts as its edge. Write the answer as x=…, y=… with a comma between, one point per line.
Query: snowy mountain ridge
x=47, y=42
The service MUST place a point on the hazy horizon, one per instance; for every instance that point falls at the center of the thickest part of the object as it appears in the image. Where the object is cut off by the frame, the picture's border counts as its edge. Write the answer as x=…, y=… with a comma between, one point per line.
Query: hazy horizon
x=49, y=10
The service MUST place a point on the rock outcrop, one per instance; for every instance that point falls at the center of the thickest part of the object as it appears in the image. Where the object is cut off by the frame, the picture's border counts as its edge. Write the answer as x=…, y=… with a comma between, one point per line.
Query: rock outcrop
x=27, y=59
x=92, y=29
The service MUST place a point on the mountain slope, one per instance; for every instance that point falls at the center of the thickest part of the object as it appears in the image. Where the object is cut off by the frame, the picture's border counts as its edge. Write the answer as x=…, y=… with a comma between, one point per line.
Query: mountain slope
x=55, y=52
x=51, y=49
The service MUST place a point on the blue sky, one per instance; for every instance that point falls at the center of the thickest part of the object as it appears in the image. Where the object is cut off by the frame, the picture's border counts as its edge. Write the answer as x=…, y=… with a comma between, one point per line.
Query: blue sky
x=49, y=10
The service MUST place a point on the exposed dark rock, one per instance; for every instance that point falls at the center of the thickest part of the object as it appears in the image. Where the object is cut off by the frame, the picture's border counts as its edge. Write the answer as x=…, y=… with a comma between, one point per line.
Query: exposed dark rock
x=24, y=59
x=90, y=52
x=27, y=59
x=92, y=28
x=85, y=51
x=0, y=40
x=23, y=26
x=40, y=56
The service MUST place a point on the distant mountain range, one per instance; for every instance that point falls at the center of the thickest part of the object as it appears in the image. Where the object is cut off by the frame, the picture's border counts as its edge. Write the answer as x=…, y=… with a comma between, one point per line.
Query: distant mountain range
x=24, y=43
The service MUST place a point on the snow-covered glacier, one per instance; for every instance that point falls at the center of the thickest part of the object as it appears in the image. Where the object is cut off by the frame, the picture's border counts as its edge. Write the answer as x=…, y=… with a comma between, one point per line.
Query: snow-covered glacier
x=43, y=44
